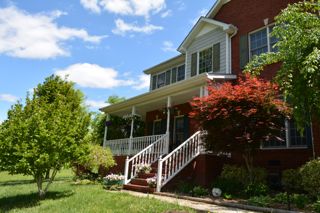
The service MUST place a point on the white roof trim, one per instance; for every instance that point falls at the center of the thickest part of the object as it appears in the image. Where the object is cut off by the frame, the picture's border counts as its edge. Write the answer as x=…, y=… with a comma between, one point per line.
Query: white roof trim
x=228, y=28
x=216, y=7
x=184, y=85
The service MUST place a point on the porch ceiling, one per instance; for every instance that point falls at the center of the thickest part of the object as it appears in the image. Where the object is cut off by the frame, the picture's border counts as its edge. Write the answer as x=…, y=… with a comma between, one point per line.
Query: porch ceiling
x=180, y=93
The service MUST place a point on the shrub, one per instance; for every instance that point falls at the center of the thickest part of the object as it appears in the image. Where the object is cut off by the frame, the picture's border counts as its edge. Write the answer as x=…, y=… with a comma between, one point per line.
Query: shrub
x=198, y=191
x=241, y=175
x=256, y=189
x=263, y=201
x=185, y=187
x=310, y=173
x=291, y=180
x=300, y=200
x=90, y=163
x=113, y=182
x=228, y=186
x=316, y=206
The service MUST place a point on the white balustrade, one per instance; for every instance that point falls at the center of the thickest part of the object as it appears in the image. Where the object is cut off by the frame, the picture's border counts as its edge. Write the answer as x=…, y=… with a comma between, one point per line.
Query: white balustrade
x=120, y=147
x=148, y=155
x=174, y=162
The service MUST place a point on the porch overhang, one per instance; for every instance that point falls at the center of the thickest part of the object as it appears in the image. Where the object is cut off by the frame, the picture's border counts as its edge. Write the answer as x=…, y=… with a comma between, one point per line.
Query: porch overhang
x=180, y=92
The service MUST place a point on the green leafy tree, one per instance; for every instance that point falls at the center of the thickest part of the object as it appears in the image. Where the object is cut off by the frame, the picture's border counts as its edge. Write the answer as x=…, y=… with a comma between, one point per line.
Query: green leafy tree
x=297, y=29
x=119, y=128
x=46, y=133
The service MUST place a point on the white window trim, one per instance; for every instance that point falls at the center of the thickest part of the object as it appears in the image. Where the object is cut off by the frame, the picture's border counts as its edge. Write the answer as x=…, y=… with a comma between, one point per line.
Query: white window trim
x=288, y=146
x=268, y=37
x=159, y=73
x=198, y=56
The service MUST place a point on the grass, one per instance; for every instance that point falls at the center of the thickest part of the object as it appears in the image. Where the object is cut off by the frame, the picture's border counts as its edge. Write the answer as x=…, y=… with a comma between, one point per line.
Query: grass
x=18, y=194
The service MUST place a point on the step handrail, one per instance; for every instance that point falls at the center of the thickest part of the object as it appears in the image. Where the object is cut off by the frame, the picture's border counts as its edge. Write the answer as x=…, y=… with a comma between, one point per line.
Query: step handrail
x=148, y=155
x=174, y=162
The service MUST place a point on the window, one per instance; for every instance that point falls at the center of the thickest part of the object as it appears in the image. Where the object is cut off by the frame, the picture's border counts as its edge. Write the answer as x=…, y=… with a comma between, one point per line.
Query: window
x=161, y=80
x=157, y=130
x=181, y=73
x=169, y=77
x=291, y=137
x=205, y=60
x=261, y=41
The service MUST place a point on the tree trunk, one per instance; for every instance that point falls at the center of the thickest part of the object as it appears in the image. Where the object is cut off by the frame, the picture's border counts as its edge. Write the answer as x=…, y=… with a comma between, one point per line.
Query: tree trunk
x=47, y=174
x=39, y=181
x=247, y=156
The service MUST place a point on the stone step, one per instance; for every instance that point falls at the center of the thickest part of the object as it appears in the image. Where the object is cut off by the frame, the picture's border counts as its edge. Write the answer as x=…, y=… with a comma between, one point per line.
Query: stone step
x=138, y=188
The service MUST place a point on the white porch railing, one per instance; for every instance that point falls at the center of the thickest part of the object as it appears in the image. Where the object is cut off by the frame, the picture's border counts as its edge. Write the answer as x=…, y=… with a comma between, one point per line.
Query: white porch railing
x=174, y=162
x=148, y=155
x=131, y=146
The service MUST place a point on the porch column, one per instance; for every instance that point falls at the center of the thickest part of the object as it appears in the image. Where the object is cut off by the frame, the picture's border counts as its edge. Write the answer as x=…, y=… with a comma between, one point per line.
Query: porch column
x=106, y=131
x=133, y=112
x=168, y=123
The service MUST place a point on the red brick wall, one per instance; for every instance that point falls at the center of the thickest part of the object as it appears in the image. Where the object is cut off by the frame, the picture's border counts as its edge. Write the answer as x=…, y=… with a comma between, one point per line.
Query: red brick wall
x=247, y=16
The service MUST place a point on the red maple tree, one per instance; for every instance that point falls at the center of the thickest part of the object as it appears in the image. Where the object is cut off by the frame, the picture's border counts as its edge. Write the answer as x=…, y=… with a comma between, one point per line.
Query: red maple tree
x=240, y=117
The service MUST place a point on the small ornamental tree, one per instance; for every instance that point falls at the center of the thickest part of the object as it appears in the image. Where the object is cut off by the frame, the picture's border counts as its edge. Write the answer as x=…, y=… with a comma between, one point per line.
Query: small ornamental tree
x=240, y=117
x=46, y=133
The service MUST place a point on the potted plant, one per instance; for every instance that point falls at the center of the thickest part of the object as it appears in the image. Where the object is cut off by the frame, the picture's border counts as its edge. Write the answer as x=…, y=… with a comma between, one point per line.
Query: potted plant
x=152, y=182
x=143, y=169
x=113, y=179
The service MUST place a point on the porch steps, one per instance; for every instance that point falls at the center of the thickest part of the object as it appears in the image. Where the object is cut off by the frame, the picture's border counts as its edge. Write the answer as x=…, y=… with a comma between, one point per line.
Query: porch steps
x=138, y=188
x=140, y=184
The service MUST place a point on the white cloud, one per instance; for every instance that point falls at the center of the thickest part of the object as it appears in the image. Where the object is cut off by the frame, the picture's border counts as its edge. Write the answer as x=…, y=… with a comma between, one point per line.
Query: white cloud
x=143, y=82
x=168, y=47
x=126, y=7
x=8, y=98
x=93, y=76
x=202, y=12
x=36, y=36
x=91, y=5
x=96, y=104
x=166, y=14
x=122, y=28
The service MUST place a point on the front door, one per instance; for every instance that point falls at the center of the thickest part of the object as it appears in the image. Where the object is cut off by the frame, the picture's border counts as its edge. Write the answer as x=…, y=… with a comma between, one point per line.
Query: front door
x=180, y=131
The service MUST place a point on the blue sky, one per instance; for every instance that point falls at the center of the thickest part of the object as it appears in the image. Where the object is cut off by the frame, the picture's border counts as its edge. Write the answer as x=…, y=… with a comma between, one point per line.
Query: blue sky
x=102, y=45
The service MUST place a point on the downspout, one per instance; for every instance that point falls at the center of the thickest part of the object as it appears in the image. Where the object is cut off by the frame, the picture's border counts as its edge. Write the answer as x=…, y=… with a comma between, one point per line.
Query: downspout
x=230, y=46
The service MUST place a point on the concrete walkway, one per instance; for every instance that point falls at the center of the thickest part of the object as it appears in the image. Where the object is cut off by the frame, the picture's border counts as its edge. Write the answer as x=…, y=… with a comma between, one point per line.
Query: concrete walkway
x=203, y=207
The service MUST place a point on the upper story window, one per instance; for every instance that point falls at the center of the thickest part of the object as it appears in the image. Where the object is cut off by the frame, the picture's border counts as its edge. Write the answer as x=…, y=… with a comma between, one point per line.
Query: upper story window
x=207, y=60
x=261, y=42
x=168, y=77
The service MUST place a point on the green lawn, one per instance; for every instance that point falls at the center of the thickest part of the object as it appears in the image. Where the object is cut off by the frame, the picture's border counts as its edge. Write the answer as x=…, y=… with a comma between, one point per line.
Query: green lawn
x=18, y=194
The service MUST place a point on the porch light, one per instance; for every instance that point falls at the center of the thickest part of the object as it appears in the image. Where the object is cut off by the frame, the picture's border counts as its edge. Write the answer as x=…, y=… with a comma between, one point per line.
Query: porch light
x=108, y=123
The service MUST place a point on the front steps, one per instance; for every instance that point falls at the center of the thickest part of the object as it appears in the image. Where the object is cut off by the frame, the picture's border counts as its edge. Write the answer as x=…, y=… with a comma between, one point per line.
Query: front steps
x=139, y=184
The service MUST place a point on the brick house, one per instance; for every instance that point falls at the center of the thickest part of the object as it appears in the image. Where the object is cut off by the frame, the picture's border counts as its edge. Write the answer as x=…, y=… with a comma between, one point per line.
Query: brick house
x=217, y=48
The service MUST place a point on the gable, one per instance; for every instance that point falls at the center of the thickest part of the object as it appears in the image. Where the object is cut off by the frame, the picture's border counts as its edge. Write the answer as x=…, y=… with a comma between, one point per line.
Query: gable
x=205, y=29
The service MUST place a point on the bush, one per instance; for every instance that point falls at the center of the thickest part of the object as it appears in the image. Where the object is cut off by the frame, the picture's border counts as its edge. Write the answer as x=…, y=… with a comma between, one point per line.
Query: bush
x=316, y=206
x=240, y=174
x=256, y=189
x=228, y=186
x=291, y=180
x=198, y=191
x=263, y=201
x=185, y=187
x=300, y=200
x=90, y=163
x=310, y=173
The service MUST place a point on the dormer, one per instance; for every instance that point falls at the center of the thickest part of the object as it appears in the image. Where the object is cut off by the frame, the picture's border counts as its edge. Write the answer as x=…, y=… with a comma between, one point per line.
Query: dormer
x=208, y=48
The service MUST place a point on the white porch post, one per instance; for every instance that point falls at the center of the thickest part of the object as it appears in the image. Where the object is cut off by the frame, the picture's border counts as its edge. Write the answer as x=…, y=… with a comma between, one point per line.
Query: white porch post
x=168, y=123
x=106, y=131
x=133, y=112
